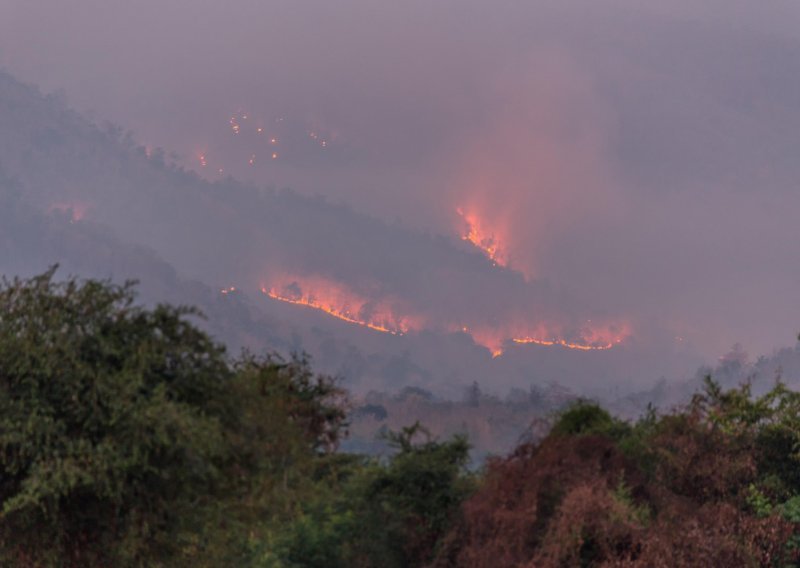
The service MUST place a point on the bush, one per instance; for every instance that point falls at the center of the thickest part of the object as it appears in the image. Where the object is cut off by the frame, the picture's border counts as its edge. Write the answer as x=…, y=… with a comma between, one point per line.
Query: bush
x=124, y=429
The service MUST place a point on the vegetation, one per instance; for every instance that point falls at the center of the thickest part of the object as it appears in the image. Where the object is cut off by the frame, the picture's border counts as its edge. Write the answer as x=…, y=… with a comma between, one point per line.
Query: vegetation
x=126, y=433
x=128, y=437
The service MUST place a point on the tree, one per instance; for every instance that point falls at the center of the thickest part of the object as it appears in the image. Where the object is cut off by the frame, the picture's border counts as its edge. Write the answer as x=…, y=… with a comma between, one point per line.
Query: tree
x=391, y=513
x=122, y=428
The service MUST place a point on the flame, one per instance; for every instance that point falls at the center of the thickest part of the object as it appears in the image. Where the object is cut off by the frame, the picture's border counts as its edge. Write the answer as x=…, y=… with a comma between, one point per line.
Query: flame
x=591, y=337
x=483, y=239
x=342, y=303
x=76, y=211
x=235, y=124
x=339, y=302
x=564, y=343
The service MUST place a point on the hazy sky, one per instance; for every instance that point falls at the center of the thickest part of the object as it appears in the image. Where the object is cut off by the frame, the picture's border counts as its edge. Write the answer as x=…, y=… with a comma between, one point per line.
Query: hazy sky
x=643, y=155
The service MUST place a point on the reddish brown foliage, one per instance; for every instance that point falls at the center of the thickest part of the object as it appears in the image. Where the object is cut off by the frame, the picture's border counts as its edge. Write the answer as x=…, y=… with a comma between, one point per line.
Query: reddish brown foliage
x=697, y=460
x=576, y=501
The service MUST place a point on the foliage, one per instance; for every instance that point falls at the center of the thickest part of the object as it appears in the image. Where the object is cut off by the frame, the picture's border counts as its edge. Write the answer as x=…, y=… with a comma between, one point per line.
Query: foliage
x=584, y=417
x=704, y=485
x=128, y=437
x=384, y=514
x=121, y=426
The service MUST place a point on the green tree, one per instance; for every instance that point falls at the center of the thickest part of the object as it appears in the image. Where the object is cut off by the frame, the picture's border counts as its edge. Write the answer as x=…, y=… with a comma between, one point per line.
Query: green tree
x=390, y=514
x=124, y=430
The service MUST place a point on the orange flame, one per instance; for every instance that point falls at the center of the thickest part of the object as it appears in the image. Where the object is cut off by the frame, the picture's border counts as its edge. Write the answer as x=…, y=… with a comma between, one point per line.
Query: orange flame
x=483, y=239
x=564, y=343
x=76, y=211
x=591, y=337
x=341, y=303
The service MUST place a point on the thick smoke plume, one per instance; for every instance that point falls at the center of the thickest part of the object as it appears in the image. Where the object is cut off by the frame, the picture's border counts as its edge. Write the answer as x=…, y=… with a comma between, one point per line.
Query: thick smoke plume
x=548, y=171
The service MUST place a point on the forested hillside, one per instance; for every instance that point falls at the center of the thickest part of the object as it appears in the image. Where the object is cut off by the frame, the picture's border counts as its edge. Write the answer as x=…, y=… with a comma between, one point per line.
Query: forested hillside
x=130, y=437
x=102, y=205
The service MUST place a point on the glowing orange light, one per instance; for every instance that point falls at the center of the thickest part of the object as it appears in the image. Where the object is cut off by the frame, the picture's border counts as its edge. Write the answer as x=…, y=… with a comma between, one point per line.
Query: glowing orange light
x=563, y=343
x=590, y=338
x=480, y=238
x=337, y=301
x=76, y=211
x=274, y=155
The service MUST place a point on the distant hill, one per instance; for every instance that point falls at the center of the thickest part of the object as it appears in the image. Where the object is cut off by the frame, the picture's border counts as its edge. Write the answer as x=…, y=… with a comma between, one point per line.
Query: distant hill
x=88, y=197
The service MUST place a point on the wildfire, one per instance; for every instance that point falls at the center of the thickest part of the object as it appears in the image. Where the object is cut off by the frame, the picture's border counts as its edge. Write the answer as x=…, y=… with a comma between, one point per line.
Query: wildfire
x=341, y=303
x=481, y=238
x=591, y=337
x=76, y=211
x=565, y=343
x=234, y=122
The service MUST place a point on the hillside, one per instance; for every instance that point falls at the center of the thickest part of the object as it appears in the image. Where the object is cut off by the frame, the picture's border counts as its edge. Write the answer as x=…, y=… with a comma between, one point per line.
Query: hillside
x=455, y=308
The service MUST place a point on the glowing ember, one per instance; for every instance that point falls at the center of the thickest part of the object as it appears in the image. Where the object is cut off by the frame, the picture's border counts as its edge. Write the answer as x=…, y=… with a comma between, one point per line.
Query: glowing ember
x=339, y=301
x=235, y=125
x=228, y=290
x=335, y=300
x=481, y=238
x=590, y=338
x=76, y=211
x=565, y=343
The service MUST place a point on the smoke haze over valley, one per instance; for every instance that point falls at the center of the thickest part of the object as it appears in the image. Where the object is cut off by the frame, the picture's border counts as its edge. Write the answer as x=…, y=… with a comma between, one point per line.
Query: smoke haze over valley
x=420, y=194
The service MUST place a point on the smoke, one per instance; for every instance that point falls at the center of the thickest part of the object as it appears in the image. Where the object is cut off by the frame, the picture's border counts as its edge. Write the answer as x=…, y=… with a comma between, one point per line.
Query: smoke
x=628, y=164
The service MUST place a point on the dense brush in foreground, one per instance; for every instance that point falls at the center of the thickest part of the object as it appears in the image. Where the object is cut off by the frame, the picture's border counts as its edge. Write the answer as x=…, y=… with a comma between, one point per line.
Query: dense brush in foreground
x=129, y=438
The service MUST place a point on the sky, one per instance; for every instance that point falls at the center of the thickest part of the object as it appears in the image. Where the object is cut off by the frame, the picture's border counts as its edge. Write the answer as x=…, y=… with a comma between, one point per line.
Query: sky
x=642, y=157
